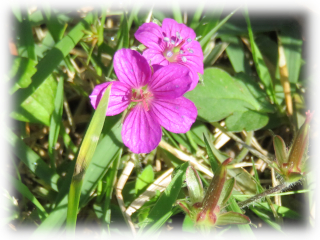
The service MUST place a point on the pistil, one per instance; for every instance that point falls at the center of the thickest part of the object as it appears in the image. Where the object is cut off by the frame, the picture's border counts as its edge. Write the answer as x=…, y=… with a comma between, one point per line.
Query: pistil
x=143, y=97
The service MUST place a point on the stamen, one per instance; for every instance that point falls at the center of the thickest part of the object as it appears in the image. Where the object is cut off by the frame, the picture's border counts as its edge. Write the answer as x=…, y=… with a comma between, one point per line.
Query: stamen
x=172, y=41
x=169, y=54
x=166, y=39
x=189, y=40
x=178, y=35
x=181, y=51
x=184, y=59
x=145, y=105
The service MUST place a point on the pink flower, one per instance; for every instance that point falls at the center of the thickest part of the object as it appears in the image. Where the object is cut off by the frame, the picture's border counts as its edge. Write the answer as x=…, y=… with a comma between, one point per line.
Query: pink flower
x=172, y=43
x=153, y=100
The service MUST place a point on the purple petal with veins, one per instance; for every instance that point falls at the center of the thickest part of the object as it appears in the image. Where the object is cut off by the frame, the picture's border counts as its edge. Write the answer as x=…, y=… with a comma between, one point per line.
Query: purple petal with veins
x=131, y=68
x=119, y=98
x=155, y=100
x=150, y=35
x=177, y=45
x=155, y=57
x=170, y=82
x=171, y=27
x=141, y=132
x=175, y=115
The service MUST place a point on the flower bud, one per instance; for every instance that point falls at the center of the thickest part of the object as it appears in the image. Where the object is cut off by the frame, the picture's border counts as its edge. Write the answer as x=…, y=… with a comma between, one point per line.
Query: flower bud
x=300, y=146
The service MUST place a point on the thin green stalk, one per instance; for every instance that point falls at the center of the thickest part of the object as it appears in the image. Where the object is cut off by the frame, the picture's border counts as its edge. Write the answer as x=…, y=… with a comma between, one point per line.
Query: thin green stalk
x=244, y=151
x=255, y=198
x=206, y=38
x=252, y=150
x=85, y=155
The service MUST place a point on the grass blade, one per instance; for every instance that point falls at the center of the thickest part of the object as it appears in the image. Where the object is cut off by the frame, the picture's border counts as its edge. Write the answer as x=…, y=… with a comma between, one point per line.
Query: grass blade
x=245, y=230
x=177, y=12
x=261, y=67
x=54, y=57
x=207, y=37
x=163, y=206
x=32, y=161
x=86, y=152
x=55, y=121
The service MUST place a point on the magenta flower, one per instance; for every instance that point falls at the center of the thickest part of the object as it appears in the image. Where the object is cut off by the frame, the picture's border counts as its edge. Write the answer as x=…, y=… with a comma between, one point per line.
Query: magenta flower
x=152, y=99
x=172, y=43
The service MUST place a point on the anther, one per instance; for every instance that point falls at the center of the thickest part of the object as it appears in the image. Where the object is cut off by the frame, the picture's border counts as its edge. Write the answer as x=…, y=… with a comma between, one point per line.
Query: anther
x=189, y=40
x=181, y=51
x=166, y=39
x=178, y=35
x=184, y=59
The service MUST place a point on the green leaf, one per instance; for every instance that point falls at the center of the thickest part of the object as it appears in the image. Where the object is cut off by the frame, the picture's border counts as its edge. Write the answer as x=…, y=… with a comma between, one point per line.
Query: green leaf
x=25, y=44
x=55, y=121
x=23, y=189
x=197, y=15
x=212, y=57
x=177, y=12
x=292, y=43
x=248, y=121
x=283, y=211
x=212, y=159
x=207, y=37
x=22, y=70
x=53, y=58
x=144, y=179
x=107, y=150
x=265, y=217
x=39, y=105
x=194, y=185
x=245, y=230
x=226, y=192
x=162, y=208
x=188, y=225
x=32, y=160
x=55, y=27
x=239, y=98
x=110, y=178
x=261, y=67
x=280, y=150
x=84, y=158
x=236, y=54
x=214, y=190
x=232, y=218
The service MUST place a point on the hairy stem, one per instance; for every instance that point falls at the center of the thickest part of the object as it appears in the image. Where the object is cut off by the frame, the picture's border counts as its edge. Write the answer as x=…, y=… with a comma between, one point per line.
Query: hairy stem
x=262, y=195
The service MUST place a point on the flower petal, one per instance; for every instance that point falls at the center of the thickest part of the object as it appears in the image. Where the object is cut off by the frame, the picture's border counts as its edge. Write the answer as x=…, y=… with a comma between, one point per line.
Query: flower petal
x=141, y=133
x=119, y=97
x=150, y=35
x=170, y=81
x=131, y=68
x=171, y=27
x=176, y=115
x=193, y=59
x=193, y=55
x=155, y=56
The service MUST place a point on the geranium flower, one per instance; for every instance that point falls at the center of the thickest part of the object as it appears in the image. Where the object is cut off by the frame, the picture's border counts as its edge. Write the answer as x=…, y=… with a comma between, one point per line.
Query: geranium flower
x=172, y=43
x=152, y=99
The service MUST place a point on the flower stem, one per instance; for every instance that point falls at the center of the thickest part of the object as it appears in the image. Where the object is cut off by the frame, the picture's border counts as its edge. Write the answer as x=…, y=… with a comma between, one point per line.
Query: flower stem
x=255, y=198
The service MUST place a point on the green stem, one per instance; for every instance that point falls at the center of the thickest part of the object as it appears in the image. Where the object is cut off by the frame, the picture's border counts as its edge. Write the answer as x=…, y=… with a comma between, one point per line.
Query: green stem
x=244, y=151
x=73, y=203
x=255, y=198
x=252, y=150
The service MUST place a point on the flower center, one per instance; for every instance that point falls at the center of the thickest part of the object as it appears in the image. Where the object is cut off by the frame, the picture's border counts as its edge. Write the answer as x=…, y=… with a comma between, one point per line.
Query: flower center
x=173, y=51
x=142, y=96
